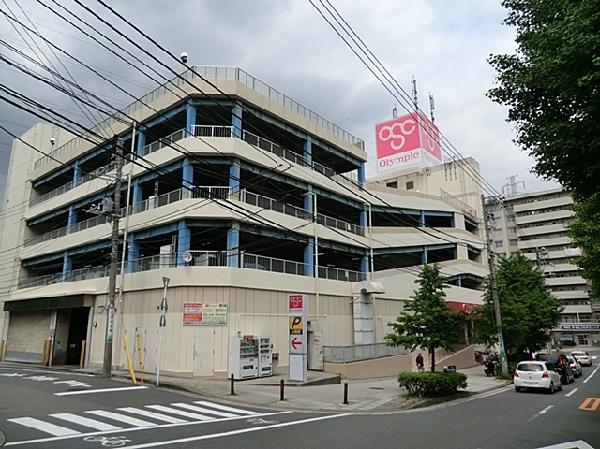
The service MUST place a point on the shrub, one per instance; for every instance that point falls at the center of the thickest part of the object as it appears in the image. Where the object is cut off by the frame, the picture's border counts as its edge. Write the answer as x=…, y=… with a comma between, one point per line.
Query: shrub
x=431, y=385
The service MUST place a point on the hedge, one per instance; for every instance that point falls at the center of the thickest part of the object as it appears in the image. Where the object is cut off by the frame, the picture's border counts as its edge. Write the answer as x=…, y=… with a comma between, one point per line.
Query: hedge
x=431, y=385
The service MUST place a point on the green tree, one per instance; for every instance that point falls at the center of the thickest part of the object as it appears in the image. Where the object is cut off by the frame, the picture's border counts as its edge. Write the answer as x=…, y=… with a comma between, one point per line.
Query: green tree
x=426, y=322
x=551, y=86
x=527, y=307
x=585, y=231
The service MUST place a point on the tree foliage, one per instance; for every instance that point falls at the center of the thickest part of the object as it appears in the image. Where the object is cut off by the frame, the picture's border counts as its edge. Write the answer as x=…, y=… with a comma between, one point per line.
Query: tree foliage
x=527, y=307
x=585, y=231
x=551, y=86
x=426, y=322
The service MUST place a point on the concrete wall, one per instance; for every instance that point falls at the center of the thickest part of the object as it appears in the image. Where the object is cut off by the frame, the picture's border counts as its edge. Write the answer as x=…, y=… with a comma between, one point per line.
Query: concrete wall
x=368, y=369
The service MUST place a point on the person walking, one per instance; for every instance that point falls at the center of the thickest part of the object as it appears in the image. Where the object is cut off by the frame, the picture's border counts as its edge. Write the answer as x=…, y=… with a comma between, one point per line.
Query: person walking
x=420, y=363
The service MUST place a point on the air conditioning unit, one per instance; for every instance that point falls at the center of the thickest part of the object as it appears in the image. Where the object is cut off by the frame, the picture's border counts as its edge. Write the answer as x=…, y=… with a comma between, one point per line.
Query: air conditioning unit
x=151, y=202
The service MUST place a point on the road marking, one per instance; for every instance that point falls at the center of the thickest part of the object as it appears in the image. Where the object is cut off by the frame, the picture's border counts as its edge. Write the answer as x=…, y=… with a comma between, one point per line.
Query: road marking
x=236, y=432
x=153, y=415
x=546, y=410
x=569, y=445
x=123, y=418
x=83, y=421
x=224, y=407
x=494, y=392
x=571, y=393
x=134, y=429
x=174, y=411
x=589, y=404
x=100, y=390
x=43, y=426
x=590, y=376
x=195, y=408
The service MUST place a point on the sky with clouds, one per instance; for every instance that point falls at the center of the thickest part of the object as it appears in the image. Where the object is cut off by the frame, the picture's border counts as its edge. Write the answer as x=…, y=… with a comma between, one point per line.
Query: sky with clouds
x=286, y=43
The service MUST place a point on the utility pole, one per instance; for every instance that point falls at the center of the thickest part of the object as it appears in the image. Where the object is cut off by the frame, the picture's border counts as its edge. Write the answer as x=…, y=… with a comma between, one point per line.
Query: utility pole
x=114, y=256
x=493, y=284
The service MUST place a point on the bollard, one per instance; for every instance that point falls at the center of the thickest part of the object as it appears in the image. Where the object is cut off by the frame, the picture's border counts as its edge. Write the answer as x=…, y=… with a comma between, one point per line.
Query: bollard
x=232, y=390
x=281, y=390
x=345, y=393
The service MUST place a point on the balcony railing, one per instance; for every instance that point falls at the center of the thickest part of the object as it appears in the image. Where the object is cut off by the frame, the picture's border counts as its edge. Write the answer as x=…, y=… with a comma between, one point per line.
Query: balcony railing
x=331, y=222
x=341, y=274
x=257, y=262
x=272, y=147
x=355, y=353
x=212, y=131
x=265, y=202
x=163, y=142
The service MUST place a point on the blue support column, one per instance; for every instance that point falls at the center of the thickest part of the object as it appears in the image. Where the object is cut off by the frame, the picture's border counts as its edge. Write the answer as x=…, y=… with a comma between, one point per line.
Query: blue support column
x=183, y=242
x=137, y=193
x=309, y=258
x=67, y=266
x=424, y=256
x=190, y=117
x=133, y=253
x=233, y=245
x=363, y=218
x=187, y=178
x=141, y=143
x=234, y=176
x=76, y=173
x=236, y=120
x=364, y=264
x=361, y=174
x=72, y=218
x=422, y=219
x=308, y=151
x=308, y=201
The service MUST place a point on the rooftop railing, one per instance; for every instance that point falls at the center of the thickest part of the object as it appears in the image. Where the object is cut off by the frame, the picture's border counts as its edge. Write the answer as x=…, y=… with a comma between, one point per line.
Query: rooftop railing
x=355, y=353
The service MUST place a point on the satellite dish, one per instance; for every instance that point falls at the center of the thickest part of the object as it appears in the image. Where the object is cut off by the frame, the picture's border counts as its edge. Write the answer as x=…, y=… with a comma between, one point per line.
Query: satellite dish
x=187, y=257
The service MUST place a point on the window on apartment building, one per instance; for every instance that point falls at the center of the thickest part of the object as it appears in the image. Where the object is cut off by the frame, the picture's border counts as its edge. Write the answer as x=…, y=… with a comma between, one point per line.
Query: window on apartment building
x=512, y=242
x=392, y=184
x=410, y=185
x=499, y=243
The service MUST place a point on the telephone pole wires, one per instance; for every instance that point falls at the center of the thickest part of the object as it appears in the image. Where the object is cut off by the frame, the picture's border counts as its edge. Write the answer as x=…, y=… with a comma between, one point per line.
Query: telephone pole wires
x=493, y=281
x=114, y=214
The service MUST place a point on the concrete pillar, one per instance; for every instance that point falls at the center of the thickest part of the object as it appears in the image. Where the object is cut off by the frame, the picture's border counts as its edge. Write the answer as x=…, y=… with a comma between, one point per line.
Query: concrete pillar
x=364, y=264
x=234, y=176
x=137, y=193
x=76, y=173
x=67, y=267
x=362, y=174
x=133, y=253
x=458, y=221
x=363, y=314
x=72, y=218
x=190, y=117
x=309, y=258
x=307, y=153
x=424, y=256
x=233, y=245
x=141, y=143
x=308, y=200
x=363, y=217
x=183, y=242
x=236, y=121
x=187, y=177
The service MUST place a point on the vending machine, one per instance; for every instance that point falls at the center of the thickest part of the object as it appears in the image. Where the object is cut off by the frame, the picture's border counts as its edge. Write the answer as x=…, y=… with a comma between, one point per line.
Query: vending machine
x=243, y=357
x=265, y=356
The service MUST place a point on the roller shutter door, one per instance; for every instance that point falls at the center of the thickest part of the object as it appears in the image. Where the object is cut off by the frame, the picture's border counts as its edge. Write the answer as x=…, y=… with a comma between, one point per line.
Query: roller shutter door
x=27, y=332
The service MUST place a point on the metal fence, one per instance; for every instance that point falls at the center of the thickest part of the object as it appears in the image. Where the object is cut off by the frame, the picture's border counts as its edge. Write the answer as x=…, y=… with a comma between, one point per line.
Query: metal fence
x=355, y=353
x=163, y=142
x=265, y=202
x=341, y=274
x=272, y=147
x=212, y=131
x=257, y=262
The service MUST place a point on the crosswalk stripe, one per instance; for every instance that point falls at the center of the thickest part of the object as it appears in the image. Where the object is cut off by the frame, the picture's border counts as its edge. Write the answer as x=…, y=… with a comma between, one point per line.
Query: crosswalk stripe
x=174, y=411
x=57, y=431
x=122, y=418
x=224, y=408
x=158, y=416
x=83, y=421
x=195, y=408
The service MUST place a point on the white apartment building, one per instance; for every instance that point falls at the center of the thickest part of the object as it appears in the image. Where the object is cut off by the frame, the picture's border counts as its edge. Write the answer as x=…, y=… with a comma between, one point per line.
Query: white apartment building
x=226, y=183
x=536, y=225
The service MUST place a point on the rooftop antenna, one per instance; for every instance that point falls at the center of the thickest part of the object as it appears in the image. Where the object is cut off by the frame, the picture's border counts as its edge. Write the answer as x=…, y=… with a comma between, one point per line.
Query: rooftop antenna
x=431, y=107
x=395, y=112
x=414, y=92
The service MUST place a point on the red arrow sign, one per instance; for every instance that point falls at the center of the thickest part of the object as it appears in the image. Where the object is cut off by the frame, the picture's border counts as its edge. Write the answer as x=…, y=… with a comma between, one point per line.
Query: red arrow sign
x=295, y=343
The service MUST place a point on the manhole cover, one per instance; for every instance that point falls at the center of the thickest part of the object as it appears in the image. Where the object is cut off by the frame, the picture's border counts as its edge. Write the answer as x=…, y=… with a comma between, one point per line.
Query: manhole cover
x=376, y=388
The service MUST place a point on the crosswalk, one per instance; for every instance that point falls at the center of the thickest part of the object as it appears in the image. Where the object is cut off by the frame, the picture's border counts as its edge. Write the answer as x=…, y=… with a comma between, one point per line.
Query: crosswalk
x=147, y=416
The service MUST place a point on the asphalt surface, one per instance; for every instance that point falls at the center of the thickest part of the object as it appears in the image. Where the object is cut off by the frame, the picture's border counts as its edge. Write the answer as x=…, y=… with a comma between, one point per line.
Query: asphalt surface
x=45, y=409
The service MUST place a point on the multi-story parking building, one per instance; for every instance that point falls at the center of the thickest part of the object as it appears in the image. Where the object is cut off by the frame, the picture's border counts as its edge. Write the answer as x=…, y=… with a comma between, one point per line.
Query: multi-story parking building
x=536, y=225
x=240, y=196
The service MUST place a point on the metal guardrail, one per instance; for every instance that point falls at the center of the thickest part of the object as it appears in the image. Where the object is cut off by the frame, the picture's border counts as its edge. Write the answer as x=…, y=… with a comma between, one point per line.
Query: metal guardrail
x=272, y=147
x=265, y=202
x=340, y=224
x=163, y=142
x=341, y=274
x=355, y=353
x=212, y=131
x=274, y=264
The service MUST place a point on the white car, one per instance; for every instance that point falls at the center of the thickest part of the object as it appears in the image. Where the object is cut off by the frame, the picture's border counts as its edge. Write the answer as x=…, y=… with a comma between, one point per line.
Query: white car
x=534, y=374
x=583, y=358
x=575, y=366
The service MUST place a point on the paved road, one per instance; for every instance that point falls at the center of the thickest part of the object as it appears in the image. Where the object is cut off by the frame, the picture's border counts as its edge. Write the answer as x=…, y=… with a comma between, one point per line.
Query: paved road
x=46, y=409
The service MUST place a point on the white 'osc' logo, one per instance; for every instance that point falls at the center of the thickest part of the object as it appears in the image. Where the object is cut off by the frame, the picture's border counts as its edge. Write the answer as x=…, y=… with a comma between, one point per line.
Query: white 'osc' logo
x=397, y=132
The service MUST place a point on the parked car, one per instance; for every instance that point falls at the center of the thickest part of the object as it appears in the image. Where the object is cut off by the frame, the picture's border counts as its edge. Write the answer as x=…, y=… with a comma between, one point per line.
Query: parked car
x=582, y=357
x=536, y=374
x=575, y=366
x=558, y=363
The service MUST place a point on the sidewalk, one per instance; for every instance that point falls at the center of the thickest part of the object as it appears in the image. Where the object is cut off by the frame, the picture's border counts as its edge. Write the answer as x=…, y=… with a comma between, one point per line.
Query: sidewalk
x=370, y=395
